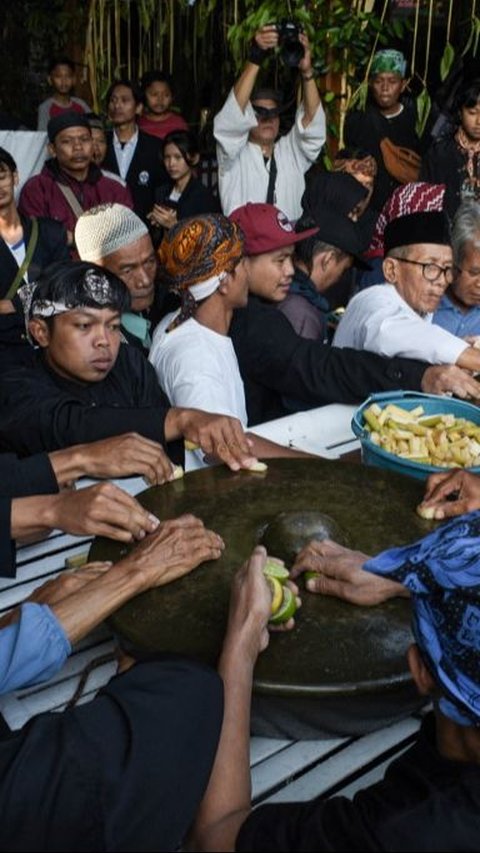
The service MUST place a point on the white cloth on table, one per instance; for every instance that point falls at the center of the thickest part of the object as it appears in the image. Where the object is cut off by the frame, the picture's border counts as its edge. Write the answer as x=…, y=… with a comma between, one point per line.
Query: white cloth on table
x=198, y=369
x=242, y=173
x=379, y=320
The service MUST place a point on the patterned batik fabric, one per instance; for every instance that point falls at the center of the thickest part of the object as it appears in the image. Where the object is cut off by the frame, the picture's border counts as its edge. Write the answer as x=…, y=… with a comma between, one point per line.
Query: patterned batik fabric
x=388, y=61
x=416, y=197
x=196, y=250
x=442, y=572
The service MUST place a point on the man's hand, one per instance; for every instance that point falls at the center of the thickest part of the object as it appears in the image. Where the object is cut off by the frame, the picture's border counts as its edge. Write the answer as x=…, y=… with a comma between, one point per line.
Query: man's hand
x=103, y=510
x=125, y=455
x=177, y=547
x=119, y=456
x=267, y=37
x=163, y=215
x=341, y=574
x=59, y=588
x=445, y=378
x=305, y=64
x=7, y=306
x=460, y=485
x=250, y=609
x=218, y=435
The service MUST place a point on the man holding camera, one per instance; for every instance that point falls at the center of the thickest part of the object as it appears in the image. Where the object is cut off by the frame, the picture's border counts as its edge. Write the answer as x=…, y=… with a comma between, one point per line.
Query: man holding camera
x=252, y=165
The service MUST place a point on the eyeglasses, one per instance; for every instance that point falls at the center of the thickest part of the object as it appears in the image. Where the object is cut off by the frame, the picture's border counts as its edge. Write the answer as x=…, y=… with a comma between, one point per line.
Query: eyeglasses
x=431, y=272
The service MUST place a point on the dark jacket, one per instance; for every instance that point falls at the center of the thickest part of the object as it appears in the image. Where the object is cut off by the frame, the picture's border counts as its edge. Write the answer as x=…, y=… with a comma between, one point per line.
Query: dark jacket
x=275, y=362
x=18, y=478
x=51, y=246
x=42, y=197
x=40, y=410
x=446, y=164
x=195, y=200
x=146, y=170
x=425, y=802
x=366, y=129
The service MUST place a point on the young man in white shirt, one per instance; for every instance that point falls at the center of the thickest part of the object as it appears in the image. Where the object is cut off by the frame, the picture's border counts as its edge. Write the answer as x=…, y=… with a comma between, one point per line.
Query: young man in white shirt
x=201, y=259
x=395, y=318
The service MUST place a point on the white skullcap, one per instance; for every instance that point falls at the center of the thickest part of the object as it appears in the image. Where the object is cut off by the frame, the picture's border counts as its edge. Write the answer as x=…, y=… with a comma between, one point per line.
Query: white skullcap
x=106, y=228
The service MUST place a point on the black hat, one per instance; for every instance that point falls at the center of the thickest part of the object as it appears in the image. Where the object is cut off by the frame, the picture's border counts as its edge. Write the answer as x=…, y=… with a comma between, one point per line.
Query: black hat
x=67, y=119
x=426, y=227
x=337, y=230
x=337, y=190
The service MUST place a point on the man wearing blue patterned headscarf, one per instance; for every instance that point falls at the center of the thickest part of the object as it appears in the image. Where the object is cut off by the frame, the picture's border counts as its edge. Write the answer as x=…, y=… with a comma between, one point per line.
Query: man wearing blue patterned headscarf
x=429, y=799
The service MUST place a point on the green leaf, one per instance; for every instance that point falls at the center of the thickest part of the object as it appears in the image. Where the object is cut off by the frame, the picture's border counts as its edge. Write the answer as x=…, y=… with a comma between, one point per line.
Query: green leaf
x=359, y=97
x=446, y=60
x=397, y=28
x=328, y=97
x=424, y=105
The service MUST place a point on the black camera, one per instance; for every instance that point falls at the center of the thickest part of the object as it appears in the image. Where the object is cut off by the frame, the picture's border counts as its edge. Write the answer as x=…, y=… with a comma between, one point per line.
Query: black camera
x=291, y=50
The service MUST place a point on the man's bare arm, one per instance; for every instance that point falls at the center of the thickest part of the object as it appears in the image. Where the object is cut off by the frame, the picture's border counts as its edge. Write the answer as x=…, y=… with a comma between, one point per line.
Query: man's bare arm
x=227, y=801
x=265, y=38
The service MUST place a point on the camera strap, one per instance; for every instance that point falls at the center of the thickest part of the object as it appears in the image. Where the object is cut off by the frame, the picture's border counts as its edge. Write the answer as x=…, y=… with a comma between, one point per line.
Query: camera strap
x=271, y=180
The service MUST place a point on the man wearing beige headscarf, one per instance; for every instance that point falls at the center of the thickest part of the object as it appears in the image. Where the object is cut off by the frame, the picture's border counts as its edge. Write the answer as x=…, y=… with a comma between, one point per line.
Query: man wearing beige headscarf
x=115, y=238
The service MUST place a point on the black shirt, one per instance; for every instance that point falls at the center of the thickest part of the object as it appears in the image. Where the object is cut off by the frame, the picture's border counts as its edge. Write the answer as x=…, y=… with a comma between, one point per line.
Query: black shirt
x=425, y=803
x=275, y=362
x=366, y=129
x=446, y=163
x=18, y=478
x=40, y=410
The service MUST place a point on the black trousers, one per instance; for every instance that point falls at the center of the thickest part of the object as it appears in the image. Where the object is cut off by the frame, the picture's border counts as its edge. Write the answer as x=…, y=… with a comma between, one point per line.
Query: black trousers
x=124, y=772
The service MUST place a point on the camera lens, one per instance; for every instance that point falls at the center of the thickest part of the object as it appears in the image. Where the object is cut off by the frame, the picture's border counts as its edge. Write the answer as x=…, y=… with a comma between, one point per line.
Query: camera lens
x=291, y=51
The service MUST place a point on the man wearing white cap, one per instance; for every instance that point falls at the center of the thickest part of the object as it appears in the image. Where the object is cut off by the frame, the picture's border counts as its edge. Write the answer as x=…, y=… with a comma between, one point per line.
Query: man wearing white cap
x=114, y=237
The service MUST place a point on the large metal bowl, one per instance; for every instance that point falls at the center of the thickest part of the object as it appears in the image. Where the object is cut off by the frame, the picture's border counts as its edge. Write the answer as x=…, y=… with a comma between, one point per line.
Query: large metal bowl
x=343, y=669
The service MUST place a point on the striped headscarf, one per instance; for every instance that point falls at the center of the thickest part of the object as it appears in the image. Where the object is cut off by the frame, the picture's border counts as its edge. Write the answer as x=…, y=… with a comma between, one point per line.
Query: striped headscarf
x=195, y=255
x=417, y=197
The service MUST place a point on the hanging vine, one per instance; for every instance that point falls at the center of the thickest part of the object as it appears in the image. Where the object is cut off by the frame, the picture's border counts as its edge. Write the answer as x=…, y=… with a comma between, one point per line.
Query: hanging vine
x=210, y=37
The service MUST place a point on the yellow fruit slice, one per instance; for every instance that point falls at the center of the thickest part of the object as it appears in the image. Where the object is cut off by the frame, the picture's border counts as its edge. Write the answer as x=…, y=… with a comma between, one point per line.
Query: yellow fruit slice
x=277, y=594
x=427, y=512
x=257, y=468
x=274, y=568
x=287, y=608
x=190, y=445
x=178, y=472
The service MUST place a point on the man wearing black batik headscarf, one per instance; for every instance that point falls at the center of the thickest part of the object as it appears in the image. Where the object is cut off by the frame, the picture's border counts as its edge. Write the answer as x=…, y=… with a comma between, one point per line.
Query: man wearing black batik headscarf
x=85, y=386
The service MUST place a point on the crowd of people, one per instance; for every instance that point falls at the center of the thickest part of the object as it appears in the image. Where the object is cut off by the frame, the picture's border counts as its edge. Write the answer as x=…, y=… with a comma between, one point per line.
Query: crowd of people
x=145, y=324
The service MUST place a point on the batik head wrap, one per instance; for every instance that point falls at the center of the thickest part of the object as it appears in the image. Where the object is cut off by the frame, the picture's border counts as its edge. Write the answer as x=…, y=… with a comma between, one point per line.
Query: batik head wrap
x=442, y=572
x=388, y=61
x=195, y=256
x=68, y=285
x=417, y=197
x=358, y=167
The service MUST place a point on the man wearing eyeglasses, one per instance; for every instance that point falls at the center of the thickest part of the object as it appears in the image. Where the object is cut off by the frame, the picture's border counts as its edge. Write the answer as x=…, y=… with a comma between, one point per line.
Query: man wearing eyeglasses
x=459, y=309
x=395, y=318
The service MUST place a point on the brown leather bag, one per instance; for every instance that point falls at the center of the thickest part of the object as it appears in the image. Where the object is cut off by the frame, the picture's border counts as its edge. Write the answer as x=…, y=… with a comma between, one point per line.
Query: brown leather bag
x=403, y=164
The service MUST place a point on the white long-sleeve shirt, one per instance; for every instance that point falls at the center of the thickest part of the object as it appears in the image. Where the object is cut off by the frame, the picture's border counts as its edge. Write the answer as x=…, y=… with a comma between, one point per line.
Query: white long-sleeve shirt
x=243, y=174
x=198, y=369
x=379, y=320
